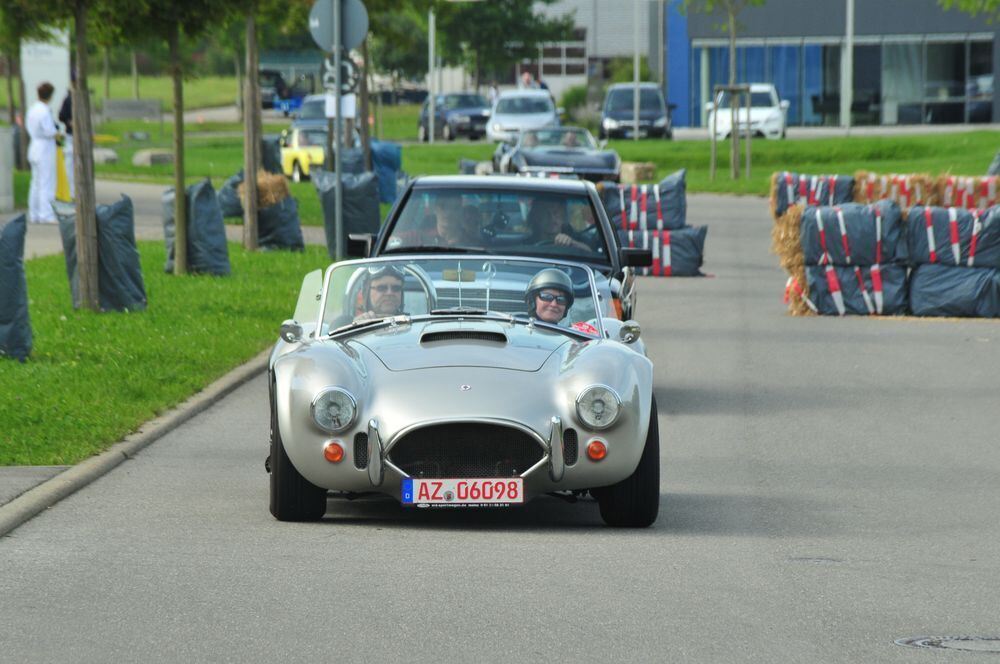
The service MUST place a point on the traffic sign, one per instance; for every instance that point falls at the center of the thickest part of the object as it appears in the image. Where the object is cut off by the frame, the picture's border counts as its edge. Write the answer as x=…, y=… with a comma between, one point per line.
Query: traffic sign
x=353, y=23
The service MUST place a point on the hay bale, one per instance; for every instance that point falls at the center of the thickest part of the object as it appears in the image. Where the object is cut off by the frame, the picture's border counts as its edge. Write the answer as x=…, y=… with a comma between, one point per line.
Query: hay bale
x=786, y=238
x=966, y=191
x=864, y=187
x=797, y=291
x=773, y=199
x=272, y=188
x=636, y=172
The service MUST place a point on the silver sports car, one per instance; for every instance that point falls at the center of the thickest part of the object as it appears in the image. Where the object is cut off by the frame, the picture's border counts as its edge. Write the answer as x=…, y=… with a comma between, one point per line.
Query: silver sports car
x=460, y=381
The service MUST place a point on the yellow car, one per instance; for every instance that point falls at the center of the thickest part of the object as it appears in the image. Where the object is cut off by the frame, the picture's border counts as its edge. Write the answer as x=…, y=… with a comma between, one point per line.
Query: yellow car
x=301, y=148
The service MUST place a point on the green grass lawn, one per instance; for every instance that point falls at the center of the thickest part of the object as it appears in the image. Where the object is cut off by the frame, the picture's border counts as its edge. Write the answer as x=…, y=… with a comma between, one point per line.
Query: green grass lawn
x=93, y=378
x=399, y=123
x=202, y=92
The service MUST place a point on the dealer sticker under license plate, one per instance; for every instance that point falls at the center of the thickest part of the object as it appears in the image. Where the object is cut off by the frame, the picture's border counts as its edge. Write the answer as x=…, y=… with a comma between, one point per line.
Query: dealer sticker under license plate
x=478, y=491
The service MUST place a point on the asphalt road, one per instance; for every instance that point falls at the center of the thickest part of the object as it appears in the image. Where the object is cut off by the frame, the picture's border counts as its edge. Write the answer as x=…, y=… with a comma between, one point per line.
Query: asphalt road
x=829, y=486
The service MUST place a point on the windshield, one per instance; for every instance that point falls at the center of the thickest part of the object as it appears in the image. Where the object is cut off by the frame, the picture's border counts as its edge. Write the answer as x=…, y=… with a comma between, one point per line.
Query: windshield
x=524, y=105
x=367, y=291
x=313, y=110
x=555, y=138
x=463, y=101
x=621, y=100
x=757, y=100
x=525, y=222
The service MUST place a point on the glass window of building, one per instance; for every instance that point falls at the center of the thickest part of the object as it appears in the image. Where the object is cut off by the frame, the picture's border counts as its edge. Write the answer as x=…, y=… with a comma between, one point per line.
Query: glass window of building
x=902, y=83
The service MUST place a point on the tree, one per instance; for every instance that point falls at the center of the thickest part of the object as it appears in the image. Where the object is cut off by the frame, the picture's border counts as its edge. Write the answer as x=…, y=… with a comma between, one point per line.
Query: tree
x=990, y=9
x=489, y=37
x=732, y=9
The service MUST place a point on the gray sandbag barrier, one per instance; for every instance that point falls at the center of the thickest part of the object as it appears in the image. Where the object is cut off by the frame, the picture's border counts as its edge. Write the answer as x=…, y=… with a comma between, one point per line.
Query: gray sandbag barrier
x=207, y=251
x=278, y=226
x=676, y=253
x=15, y=324
x=862, y=291
x=467, y=166
x=954, y=236
x=946, y=290
x=641, y=207
x=270, y=153
x=791, y=188
x=387, y=160
x=360, y=205
x=352, y=160
x=994, y=168
x=853, y=234
x=120, y=285
x=229, y=196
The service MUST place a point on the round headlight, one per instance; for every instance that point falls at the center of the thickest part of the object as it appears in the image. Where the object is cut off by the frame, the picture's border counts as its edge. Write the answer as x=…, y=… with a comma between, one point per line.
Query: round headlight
x=333, y=409
x=598, y=406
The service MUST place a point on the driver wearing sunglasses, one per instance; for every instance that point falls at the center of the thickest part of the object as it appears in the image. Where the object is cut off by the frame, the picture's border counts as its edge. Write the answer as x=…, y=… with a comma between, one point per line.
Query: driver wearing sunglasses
x=383, y=293
x=549, y=295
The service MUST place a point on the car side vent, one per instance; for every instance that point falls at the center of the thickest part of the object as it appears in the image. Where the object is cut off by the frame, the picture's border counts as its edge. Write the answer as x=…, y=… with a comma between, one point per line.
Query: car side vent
x=361, y=450
x=571, y=447
x=464, y=335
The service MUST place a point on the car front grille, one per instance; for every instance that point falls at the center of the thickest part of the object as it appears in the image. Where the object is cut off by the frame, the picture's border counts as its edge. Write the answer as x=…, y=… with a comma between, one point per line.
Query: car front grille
x=465, y=449
x=361, y=450
x=571, y=446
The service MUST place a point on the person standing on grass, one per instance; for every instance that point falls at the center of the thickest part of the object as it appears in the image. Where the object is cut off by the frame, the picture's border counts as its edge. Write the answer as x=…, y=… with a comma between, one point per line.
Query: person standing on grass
x=66, y=117
x=42, y=157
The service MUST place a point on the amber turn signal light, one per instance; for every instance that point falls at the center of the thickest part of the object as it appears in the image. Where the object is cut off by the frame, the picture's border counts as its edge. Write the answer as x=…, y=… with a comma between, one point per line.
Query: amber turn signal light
x=597, y=450
x=334, y=452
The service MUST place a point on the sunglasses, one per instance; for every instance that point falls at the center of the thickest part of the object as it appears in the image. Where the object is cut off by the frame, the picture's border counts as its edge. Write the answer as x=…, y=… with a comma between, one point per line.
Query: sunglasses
x=387, y=288
x=549, y=297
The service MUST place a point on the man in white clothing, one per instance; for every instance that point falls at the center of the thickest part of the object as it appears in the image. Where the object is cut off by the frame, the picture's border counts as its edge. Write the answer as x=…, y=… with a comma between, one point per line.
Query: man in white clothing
x=42, y=157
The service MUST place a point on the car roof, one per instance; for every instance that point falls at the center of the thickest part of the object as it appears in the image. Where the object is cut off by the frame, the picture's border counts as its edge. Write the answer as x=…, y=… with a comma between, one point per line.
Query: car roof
x=313, y=98
x=642, y=84
x=761, y=87
x=524, y=93
x=507, y=182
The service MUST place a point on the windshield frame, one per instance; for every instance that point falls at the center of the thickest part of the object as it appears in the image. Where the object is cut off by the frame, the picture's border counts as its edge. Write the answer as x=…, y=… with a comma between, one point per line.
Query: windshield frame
x=513, y=318
x=587, y=140
x=550, y=109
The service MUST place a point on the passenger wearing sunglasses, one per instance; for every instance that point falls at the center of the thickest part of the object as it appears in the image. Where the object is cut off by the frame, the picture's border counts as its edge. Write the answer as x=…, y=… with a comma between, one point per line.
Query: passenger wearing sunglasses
x=549, y=295
x=383, y=293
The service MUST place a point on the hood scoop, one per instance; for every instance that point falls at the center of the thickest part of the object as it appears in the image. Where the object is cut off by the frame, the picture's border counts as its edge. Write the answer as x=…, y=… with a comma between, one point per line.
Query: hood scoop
x=463, y=335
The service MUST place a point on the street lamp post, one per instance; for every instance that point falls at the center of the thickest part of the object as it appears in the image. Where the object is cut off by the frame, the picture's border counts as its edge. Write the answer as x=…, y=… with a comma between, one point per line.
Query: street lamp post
x=635, y=70
x=430, y=75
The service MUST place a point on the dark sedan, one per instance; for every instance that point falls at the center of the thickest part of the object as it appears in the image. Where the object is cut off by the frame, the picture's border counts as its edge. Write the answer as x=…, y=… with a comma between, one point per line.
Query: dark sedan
x=458, y=114
x=558, y=150
x=617, y=117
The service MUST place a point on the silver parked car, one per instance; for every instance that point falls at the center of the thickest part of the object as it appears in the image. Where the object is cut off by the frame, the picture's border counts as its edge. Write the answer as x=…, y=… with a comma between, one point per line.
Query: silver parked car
x=517, y=110
x=409, y=377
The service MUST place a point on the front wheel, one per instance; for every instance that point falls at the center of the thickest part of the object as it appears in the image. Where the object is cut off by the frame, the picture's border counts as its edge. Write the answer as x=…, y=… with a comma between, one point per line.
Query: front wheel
x=635, y=501
x=447, y=133
x=293, y=497
x=421, y=133
x=296, y=172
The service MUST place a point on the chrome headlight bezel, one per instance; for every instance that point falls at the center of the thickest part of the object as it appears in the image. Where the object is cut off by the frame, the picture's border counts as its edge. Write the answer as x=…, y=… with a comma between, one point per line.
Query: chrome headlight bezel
x=585, y=414
x=332, y=428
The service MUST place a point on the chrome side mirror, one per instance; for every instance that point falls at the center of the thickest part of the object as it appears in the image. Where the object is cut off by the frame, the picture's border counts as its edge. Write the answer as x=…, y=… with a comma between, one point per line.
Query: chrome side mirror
x=291, y=332
x=603, y=144
x=629, y=332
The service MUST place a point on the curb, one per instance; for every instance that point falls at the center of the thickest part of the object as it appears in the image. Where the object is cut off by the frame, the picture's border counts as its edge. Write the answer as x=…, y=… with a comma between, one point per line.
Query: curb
x=30, y=503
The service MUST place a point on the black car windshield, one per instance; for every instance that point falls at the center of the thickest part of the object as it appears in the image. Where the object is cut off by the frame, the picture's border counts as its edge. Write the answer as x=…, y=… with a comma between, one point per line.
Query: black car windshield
x=524, y=105
x=570, y=137
x=525, y=222
x=757, y=100
x=621, y=99
x=463, y=101
x=313, y=110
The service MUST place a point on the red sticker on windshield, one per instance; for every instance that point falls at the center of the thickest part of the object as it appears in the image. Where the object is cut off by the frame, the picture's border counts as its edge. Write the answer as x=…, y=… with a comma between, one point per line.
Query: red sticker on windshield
x=584, y=327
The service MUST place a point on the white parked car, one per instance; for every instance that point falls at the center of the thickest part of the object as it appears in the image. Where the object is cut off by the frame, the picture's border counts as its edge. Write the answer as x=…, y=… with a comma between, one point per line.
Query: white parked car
x=768, y=113
x=517, y=110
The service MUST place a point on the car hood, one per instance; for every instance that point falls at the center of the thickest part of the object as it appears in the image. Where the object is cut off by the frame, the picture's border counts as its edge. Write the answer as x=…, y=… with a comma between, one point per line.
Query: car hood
x=566, y=157
x=524, y=121
x=462, y=343
x=474, y=111
x=648, y=115
x=758, y=114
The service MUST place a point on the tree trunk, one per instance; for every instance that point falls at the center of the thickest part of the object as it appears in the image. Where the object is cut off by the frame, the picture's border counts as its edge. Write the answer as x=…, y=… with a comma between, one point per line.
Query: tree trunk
x=83, y=172
x=107, y=73
x=11, y=112
x=239, y=84
x=135, y=77
x=251, y=135
x=734, y=129
x=22, y=153
x=365, y=134
x=180, y=195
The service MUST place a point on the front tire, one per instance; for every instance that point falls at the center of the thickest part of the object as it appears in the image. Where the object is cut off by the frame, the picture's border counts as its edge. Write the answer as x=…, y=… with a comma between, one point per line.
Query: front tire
x=293, y=497
x=422, y=133
x=635, y=501
x=297, y=172
x=447, y=133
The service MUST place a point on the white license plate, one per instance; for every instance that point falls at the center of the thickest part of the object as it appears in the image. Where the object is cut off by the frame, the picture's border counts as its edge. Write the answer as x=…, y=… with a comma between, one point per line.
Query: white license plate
x=478, y=491
x=629, y=133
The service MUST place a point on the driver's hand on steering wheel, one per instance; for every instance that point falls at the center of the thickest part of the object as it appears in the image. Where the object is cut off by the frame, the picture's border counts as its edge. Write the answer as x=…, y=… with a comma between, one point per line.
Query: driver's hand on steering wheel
x=564, y=240
x=367, y=315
